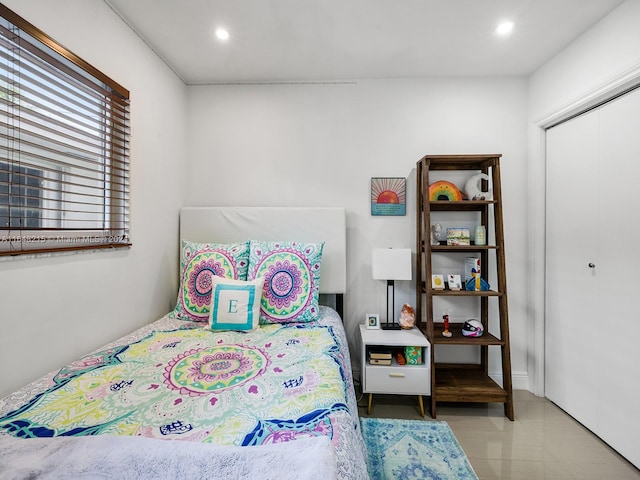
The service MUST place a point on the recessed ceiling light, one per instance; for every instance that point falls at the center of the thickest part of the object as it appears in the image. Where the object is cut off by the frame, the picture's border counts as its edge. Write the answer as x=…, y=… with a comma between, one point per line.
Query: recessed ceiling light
x=222, y=34
x=505, y=28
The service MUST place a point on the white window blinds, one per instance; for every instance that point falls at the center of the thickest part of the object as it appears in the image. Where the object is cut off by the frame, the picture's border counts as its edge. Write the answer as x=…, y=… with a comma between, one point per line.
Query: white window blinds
x=64, y=147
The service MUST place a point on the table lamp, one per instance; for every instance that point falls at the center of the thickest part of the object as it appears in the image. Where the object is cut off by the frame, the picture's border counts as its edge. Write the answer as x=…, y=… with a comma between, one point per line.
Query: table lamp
x=391, y=264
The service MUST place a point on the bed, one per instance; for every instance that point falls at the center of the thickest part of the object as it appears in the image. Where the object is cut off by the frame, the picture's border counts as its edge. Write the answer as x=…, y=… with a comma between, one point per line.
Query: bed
x=219, y=387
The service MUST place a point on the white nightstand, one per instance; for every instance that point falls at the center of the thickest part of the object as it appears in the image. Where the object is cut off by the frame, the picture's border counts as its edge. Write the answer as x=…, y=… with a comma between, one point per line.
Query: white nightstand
x=394, y=379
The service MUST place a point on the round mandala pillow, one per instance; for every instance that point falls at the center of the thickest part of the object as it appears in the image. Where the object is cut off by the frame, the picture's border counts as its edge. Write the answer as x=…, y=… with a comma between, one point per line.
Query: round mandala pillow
x=291, y=272
x=199, y=262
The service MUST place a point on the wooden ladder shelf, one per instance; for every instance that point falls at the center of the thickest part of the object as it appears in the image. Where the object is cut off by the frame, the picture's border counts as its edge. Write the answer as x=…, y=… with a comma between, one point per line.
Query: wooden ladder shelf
x=466, y=382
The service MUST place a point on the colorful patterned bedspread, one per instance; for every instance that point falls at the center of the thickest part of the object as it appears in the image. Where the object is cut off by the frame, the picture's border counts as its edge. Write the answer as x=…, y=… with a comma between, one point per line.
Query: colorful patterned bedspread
x=179, y=380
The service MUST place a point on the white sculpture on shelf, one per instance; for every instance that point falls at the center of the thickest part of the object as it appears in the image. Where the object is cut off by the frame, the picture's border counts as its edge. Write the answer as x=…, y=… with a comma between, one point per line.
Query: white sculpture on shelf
x=472, y=188
x=436, y=231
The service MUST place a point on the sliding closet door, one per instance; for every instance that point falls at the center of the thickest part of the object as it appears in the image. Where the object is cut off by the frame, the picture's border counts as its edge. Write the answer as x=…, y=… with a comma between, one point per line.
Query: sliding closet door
x=592, y=349
x=618, y=268
x=571, y=329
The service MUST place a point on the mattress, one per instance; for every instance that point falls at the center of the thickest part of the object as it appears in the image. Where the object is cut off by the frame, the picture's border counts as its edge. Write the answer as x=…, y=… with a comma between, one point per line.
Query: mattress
x=179, y=381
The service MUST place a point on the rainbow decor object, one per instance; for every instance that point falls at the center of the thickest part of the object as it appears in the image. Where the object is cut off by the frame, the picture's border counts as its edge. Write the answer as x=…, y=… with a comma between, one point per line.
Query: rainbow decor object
x=443, y=190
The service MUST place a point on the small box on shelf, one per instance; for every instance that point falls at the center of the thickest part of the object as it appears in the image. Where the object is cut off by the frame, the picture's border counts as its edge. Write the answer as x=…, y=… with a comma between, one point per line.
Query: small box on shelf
x=413, y=355
x=458, y=236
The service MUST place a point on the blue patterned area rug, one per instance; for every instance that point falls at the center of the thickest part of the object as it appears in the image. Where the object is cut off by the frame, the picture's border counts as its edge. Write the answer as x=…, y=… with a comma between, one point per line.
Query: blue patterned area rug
x=414, y=449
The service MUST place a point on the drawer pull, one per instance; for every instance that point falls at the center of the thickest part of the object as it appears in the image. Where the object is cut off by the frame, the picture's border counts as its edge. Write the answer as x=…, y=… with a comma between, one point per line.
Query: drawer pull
x=397, y=375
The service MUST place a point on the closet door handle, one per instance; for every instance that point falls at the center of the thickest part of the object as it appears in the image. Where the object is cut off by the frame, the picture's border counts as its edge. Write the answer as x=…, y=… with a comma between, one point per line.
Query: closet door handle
x=592, y=265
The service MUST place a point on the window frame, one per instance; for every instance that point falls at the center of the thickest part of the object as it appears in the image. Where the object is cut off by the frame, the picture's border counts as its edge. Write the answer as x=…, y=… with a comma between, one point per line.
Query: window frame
x=101, y=195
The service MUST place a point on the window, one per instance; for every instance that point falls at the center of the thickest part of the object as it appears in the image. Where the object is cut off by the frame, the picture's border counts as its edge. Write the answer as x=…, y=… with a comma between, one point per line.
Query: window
x=64, y=147
x=19, y=196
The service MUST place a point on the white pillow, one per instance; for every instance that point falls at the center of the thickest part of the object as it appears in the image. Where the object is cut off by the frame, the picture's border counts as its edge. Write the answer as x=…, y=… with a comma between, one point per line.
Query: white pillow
x=235, y=304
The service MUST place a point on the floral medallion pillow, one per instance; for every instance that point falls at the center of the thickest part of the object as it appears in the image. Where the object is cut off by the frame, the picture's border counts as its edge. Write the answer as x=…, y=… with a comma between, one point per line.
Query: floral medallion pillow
x=199, y=262
x=291, y=272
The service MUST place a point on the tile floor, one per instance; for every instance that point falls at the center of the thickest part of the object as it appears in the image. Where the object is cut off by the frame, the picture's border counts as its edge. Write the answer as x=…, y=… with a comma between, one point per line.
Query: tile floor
x=542, y=443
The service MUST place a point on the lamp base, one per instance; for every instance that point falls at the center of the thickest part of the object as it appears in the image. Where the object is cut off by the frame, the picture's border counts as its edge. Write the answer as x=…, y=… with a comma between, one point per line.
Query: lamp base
x=390, y=326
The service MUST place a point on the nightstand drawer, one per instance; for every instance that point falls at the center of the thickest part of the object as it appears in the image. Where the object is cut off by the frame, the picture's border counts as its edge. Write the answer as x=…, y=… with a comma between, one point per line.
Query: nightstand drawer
x=404, y=380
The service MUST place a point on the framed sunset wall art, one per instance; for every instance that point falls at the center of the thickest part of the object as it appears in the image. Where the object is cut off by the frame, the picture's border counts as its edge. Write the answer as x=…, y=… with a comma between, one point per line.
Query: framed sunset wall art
x=388, y=196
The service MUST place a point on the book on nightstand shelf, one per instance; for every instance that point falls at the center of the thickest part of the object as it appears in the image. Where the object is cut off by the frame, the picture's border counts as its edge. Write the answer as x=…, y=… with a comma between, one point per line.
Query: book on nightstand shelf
x=384, y=354
x=379, y=361
x=379, y=357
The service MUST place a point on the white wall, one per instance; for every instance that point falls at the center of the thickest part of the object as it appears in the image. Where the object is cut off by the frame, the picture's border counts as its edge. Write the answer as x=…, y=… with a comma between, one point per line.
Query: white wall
x=292, y=145
x=609, y=49
x=320, y=144
x=604, y=60
x=56, y=309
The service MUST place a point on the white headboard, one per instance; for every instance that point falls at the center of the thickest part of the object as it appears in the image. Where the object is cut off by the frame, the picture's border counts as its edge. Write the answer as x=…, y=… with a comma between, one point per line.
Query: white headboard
x=239, y=224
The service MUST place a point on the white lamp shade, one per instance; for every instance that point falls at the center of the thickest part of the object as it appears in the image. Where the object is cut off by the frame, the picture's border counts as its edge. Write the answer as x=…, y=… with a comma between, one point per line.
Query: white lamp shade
x=391, y=264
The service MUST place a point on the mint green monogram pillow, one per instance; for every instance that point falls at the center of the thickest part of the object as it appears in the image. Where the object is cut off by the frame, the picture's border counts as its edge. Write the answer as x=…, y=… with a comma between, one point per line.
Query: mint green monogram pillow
x=235, y=304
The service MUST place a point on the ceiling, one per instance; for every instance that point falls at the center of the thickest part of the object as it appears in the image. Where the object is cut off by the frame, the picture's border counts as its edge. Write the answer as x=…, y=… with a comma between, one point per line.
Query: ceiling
x=338, y=40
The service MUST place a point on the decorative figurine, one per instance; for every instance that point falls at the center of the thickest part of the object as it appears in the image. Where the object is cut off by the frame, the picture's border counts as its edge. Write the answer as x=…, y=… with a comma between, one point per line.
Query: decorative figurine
x=444, y=191
x=471, y=285
x=472, y=328
x=446, y=332
x=436, y=231
x=407, y=317
x=472, y=188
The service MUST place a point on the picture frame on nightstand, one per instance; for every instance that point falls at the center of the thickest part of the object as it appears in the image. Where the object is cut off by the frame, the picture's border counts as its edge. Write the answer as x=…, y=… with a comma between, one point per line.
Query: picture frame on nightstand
x=372, y=321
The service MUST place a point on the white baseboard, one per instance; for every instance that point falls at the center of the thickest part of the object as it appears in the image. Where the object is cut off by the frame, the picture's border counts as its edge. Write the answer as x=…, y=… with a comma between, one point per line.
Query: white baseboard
x=519, y=380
